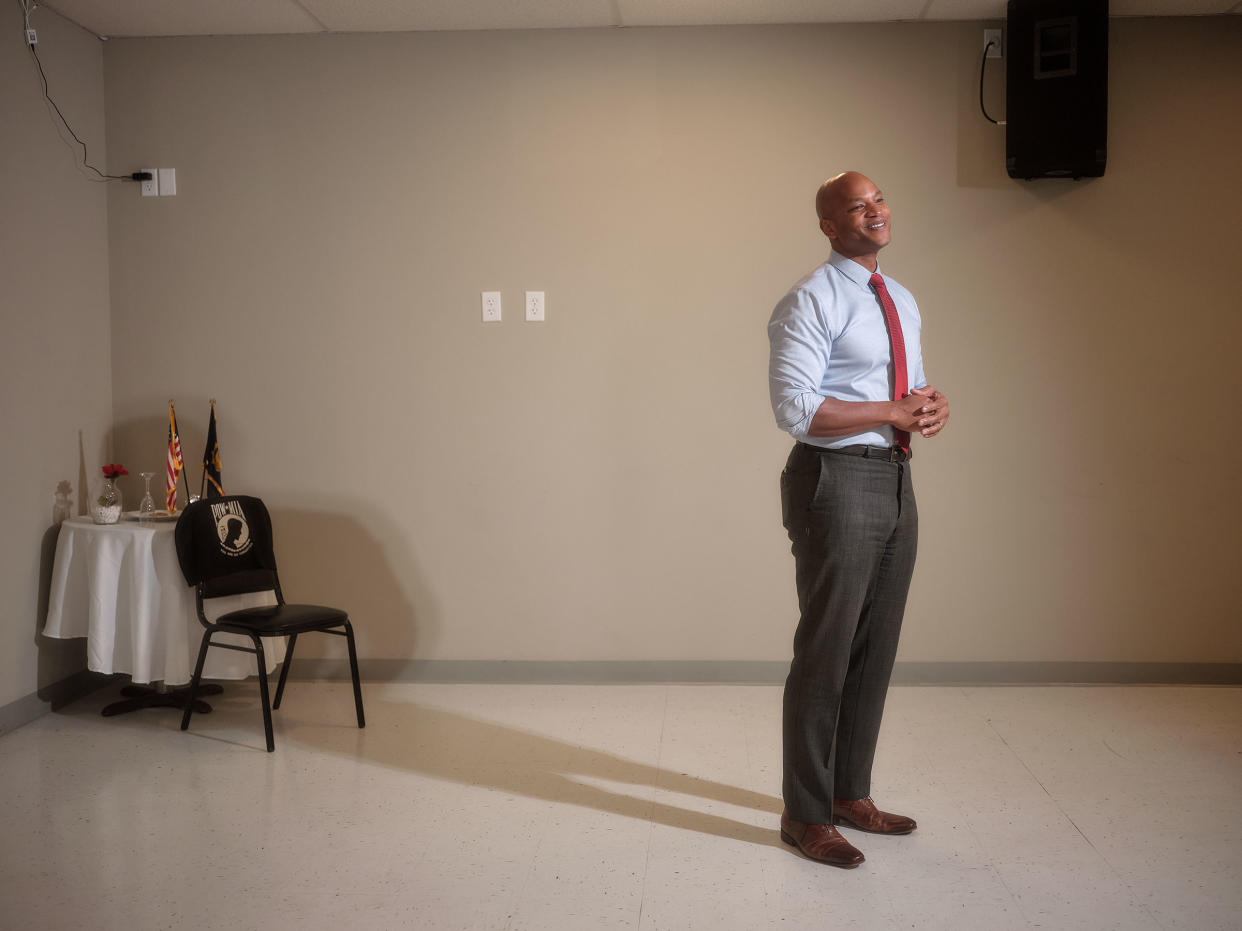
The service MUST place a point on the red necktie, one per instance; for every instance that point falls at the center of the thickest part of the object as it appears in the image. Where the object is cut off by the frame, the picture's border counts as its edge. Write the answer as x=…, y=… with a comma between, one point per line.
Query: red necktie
x=901, y=384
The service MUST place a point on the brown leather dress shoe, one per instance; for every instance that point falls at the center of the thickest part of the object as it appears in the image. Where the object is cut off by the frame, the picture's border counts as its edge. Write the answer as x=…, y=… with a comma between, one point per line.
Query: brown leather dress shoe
x=862, y=814
x=820, y=842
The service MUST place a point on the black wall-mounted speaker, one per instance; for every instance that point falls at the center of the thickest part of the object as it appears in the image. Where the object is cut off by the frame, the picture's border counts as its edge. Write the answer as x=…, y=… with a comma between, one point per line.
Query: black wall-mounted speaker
x=1056, y=89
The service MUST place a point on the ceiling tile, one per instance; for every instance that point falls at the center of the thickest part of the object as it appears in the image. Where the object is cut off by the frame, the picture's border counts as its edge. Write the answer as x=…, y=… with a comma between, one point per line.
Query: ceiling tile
x=186, y=17
x=736, y=12
x=966, y=10
x=996, y=9
x=1169, y=7
x=431, y=15
x=261, y=17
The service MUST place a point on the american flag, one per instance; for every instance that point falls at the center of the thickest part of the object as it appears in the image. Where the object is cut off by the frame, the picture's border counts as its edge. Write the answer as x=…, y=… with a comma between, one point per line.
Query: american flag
x=175, y=462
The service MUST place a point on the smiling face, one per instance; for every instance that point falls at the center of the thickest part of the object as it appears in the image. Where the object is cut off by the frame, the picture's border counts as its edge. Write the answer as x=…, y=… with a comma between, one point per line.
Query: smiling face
x=854, y=217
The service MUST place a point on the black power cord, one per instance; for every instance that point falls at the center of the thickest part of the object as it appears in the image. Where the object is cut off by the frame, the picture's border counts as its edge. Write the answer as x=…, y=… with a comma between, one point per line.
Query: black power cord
x=100, y=176
x=982, y=65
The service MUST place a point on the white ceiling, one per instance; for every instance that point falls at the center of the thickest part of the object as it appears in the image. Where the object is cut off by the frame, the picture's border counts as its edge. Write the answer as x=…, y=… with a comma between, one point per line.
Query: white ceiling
x=259, y=17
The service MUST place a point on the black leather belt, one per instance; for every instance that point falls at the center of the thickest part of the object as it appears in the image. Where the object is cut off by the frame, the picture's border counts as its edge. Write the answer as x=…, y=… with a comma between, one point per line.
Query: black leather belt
x=887, y=453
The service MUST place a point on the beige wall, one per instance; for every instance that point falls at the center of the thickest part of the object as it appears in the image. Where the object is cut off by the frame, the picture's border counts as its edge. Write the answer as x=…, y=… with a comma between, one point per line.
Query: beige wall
x=55, y=370
x=604, y=485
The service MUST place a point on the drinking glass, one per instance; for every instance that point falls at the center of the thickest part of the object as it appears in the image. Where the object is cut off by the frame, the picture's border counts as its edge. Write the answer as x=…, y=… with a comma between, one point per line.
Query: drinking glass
x=147, y=506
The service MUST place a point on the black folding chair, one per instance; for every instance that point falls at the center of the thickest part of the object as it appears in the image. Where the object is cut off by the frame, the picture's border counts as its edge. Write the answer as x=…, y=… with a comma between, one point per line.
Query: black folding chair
x=224, y=546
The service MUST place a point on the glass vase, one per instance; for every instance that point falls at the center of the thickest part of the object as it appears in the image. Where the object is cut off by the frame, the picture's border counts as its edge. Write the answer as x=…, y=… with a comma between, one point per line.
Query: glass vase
x=106, y=506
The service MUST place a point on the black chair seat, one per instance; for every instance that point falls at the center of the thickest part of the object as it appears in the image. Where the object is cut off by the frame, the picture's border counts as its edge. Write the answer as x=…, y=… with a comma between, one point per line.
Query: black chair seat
x=279, y=620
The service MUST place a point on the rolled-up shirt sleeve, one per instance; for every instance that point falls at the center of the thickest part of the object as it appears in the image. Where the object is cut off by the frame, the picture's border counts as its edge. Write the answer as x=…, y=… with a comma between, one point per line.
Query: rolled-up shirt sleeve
x=799, y=351
x=920, y=378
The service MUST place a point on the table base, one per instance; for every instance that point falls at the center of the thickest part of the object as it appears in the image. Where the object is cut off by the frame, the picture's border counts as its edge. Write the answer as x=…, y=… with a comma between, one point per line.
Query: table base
x=139, y=696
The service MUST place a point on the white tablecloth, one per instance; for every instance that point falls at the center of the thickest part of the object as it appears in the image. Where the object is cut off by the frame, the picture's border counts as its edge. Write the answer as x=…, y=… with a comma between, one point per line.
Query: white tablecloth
x=119, y=585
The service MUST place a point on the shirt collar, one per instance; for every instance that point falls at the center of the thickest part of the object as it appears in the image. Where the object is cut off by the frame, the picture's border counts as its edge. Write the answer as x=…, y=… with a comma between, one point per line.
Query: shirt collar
x=852, y=270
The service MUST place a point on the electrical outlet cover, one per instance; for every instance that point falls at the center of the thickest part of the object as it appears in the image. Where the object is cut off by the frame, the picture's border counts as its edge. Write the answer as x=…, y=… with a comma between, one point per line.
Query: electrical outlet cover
x=491, y=306
x=996, y=37
x=534, y=305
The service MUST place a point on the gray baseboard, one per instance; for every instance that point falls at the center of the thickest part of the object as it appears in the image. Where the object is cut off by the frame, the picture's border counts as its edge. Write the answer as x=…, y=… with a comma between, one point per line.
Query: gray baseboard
x=35, y=705
x=551, y=672
x=764, y=672
x=1064, y=673
x=734, y=672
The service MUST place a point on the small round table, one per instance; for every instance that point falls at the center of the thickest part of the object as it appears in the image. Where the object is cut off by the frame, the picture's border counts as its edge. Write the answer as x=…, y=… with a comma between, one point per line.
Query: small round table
x=120, y=586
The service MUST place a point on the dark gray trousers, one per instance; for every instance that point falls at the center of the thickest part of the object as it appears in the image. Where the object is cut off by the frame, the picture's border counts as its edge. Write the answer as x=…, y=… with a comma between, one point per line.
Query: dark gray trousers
x=854, y=527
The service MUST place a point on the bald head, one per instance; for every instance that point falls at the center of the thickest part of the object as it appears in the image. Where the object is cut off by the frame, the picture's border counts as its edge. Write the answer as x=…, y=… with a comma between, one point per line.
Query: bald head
x=854, y=216
x=832, y=191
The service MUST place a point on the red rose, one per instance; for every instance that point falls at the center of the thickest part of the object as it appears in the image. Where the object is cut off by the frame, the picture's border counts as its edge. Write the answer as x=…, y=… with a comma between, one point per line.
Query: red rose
x=114, y=470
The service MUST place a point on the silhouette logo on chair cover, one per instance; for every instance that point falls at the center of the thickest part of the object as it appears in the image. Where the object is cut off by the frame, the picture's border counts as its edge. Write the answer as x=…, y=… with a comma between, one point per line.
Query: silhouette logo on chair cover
x=231, y=527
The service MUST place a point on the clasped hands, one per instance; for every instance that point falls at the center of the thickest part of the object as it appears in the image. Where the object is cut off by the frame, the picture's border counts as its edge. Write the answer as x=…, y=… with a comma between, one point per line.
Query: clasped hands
x=924, y=411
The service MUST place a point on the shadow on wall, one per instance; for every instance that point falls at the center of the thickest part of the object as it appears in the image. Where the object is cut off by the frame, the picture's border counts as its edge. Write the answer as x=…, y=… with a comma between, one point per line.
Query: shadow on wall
x=357, y=562
x=83, y=484
x=57, y=658
x=142, y=445
x=450, y=746
x=330, y=550
x=981, y=145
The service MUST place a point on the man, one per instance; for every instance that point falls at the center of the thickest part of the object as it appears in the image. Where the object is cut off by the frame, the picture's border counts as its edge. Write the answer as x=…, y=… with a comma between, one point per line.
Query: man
x=847, y=383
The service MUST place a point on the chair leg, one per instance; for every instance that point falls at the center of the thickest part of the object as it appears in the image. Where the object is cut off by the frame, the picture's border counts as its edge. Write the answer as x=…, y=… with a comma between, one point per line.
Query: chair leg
x=198, y=672
x=353, y=668
x=284, y=671
x=267, y=707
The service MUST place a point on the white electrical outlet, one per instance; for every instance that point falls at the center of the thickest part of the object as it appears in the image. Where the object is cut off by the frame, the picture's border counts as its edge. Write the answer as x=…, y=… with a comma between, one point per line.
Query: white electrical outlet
x=151, y=188
x=993, y=36
x=491, y=306
x=534, y=305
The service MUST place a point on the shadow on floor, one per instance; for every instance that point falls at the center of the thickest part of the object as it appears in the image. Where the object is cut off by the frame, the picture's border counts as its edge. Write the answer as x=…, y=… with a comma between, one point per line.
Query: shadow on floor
x=451, y=746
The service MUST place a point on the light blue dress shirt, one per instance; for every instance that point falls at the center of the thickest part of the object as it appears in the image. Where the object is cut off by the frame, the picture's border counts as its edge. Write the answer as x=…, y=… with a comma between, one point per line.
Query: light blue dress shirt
x=828, y=340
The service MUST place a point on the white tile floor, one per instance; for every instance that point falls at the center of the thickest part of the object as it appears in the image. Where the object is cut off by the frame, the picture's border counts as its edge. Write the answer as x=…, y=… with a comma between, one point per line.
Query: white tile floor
x=640, y=807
